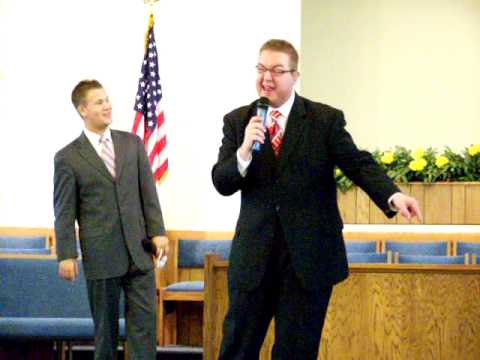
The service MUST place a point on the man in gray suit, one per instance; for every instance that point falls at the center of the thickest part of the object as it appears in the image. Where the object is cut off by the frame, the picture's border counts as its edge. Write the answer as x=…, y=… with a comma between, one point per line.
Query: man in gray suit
x=103, y=180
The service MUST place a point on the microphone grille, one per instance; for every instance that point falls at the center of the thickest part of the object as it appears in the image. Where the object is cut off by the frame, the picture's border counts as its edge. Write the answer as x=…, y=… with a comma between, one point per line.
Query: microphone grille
x=263, y=101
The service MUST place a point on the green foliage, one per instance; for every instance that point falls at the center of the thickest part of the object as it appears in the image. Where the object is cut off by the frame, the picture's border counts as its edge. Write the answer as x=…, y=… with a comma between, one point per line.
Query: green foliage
x=428, y=166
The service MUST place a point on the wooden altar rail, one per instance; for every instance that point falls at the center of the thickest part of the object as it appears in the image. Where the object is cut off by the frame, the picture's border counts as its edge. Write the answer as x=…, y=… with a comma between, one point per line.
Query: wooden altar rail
x=440, y=203
x=381, y=312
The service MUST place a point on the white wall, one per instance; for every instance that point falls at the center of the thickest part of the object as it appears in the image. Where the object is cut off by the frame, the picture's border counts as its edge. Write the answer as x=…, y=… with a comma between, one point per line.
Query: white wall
x=207, y=54
x=405, y=72
x=407, y=69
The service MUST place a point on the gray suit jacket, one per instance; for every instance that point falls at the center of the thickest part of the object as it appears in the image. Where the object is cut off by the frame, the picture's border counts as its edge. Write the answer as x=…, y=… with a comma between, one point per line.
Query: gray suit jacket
x=113, y=215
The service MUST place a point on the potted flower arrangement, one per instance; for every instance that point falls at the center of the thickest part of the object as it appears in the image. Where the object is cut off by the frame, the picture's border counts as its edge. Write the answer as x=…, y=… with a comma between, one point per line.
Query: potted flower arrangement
x=446, y=183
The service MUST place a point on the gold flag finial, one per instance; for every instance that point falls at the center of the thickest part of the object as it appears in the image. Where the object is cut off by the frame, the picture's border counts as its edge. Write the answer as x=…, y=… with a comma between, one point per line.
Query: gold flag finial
x=151, y=22
x=150, y=3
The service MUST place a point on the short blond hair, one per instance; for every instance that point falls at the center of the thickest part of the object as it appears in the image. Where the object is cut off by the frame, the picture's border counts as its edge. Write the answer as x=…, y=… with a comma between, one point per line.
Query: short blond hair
x=80, y=91
x=284, y=47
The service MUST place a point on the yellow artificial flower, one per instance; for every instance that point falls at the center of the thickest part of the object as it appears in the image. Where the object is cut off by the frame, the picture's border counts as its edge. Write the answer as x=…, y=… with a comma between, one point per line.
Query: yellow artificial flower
x=441, y=161
x=474, y=149
x=417, y=164
x=387, y=157
x=338, y=172
x=418, y=154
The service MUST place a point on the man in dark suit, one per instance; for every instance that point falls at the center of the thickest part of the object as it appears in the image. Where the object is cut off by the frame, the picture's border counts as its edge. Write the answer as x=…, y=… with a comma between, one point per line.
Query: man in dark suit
x=288, y=250
x=103, y=180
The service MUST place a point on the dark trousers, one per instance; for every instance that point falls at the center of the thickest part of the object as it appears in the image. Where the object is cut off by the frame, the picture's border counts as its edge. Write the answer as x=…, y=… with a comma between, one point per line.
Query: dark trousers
x=140, y=314
x=299, y=314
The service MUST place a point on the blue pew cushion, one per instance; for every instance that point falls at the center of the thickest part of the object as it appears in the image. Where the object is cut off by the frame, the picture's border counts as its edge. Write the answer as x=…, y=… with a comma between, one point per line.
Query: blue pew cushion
x=33, y=288
x=418, y=248
x=27, y=242
x=366, y=258
x=50, y=328
x=353, y=246
x=36, y=303
x=191, y=253
x=194, y=286
x=431, y=259
x=468, y=247
x=34, y=251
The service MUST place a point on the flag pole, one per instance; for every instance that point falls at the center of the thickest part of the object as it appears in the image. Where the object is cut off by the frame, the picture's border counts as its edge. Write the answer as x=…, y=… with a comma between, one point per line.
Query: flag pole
x=151, y=21
x=149, y=121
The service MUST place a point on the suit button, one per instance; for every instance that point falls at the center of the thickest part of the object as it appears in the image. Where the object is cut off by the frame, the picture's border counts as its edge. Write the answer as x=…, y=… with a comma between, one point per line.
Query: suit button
x=277, y=208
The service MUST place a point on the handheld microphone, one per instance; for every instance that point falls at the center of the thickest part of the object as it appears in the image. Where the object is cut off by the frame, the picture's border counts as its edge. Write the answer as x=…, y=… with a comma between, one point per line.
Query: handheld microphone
x=150, y=247
x=262, y=108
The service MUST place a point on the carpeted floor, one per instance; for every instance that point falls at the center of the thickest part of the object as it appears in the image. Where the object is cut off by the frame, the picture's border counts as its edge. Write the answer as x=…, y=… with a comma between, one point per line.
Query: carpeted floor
x=44, y=351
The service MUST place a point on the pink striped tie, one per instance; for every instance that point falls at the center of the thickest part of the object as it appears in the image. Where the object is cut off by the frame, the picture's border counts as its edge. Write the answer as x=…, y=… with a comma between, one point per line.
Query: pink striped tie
x=275, y=132
x=107, y=155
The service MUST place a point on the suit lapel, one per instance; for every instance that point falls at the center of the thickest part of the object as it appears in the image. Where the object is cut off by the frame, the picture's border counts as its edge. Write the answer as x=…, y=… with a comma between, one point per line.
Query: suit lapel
x=119, y=146
x=293, y=132
x=87, y=151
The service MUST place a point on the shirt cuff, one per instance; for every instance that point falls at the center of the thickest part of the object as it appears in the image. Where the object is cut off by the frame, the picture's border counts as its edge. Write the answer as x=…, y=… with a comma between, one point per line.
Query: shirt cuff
x=243, y=164
x=390, y=202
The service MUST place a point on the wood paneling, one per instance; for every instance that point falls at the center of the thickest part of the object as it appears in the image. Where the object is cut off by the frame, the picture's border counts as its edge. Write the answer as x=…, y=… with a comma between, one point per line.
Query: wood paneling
x=348, y=210
x=363, y=207
x=472, y=201
x=381, y=312
x=440, y=203
x=406, y=189
x=458, y=203
x=417, y=190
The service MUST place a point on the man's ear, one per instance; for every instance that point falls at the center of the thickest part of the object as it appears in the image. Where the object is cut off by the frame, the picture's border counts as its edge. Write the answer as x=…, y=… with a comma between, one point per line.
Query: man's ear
x=82, y=110
x=296, y=75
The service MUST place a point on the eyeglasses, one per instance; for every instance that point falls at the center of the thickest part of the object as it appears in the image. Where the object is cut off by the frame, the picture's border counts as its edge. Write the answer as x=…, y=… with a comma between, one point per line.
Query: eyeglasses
x=275, y=71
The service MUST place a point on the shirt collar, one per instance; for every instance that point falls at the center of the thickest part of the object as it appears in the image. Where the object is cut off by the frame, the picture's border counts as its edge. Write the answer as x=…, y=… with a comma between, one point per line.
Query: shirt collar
x=95, y=138
x=284, y=109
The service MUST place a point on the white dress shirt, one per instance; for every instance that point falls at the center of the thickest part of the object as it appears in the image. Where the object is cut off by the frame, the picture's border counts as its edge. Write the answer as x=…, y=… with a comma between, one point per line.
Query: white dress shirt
x=284, y=110
x=94, y=139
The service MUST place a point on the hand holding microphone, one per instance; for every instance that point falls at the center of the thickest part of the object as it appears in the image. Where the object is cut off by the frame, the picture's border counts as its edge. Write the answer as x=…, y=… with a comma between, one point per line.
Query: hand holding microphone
x=255, y=130
x=262, y=108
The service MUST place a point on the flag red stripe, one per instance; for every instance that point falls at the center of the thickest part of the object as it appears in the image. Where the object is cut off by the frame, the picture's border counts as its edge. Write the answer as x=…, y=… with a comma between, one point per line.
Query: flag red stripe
x=160, y=119
x=158, y=148
x=136, y=122
x=162, y=169
x=146, y=137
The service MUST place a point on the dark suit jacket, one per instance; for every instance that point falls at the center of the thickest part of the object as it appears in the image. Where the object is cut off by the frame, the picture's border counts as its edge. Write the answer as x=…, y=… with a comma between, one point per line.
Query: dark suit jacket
x=300, y=189
x=113, y=215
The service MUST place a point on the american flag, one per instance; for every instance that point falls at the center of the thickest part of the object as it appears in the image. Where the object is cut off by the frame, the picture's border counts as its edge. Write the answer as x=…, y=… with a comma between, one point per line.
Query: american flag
x=149, y=121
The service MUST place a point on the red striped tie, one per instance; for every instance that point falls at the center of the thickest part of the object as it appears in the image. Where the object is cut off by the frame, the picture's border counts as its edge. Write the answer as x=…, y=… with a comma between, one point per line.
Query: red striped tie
x=107, y=155
x=275, y=132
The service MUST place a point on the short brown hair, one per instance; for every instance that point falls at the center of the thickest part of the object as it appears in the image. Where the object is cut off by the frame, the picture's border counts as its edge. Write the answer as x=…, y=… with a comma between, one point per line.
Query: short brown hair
x=285, y=47
x=80, y=91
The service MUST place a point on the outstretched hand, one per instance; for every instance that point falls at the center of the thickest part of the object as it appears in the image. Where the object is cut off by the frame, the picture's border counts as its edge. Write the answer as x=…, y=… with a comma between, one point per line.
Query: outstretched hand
x=407, y=206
